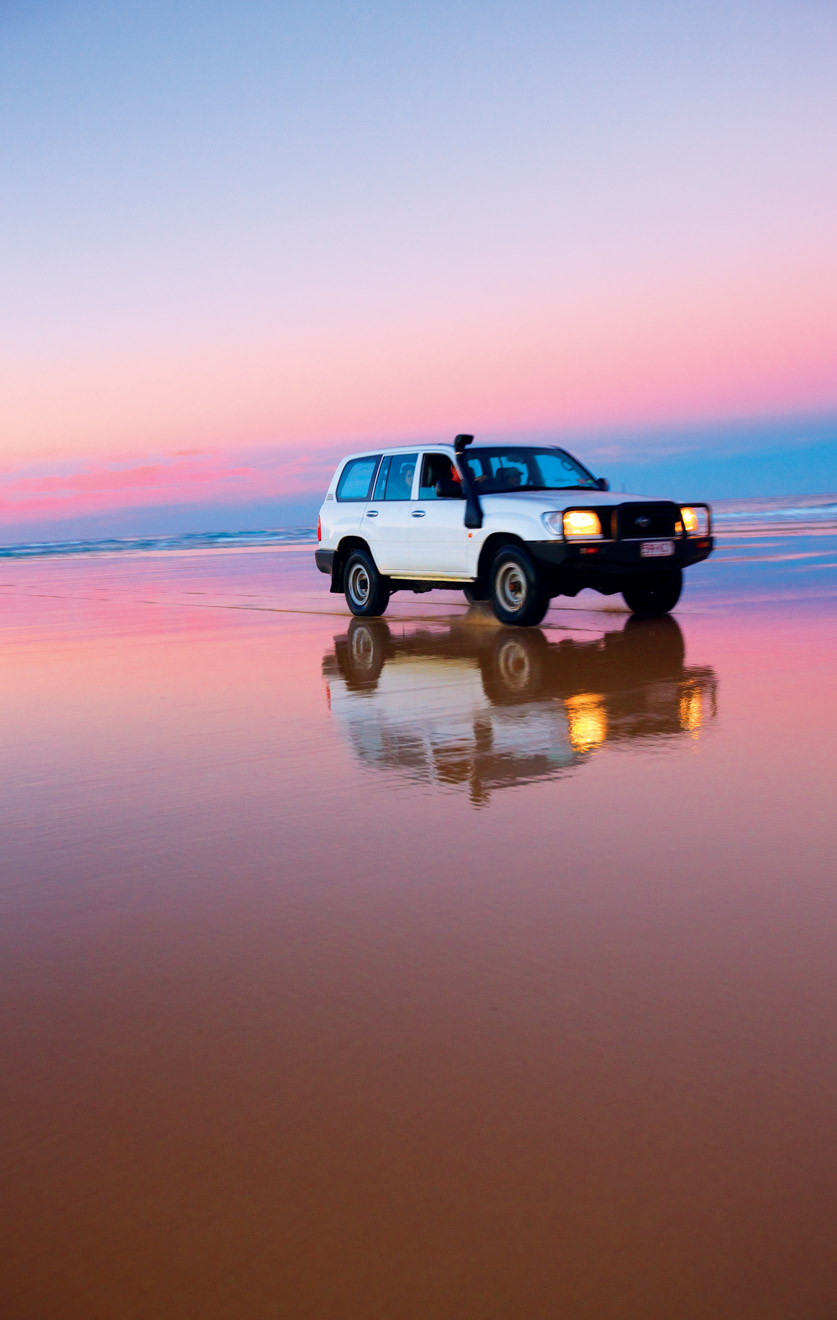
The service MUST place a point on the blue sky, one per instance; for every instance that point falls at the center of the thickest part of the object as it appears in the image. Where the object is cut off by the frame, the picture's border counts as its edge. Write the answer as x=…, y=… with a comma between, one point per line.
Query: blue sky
x=253, y=234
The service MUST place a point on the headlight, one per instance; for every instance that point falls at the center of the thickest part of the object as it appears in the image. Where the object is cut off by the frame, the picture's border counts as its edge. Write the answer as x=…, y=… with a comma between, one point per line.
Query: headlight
x=582, y=523
x=695, y=521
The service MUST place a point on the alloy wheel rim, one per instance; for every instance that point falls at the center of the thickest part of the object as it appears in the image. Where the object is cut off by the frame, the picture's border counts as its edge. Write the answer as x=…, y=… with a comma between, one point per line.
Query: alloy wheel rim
x=359, y=585
x=512, y=587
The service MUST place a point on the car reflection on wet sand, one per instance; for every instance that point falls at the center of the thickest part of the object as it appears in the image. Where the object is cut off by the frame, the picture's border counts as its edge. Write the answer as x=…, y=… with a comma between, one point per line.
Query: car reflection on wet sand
x=473, y=706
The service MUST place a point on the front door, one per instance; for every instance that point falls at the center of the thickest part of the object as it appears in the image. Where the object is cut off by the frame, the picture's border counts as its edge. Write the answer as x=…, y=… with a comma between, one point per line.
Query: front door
x=438, y=538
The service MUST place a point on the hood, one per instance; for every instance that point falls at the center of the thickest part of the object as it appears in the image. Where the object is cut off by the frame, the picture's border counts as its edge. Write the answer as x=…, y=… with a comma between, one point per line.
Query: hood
x=550, y=499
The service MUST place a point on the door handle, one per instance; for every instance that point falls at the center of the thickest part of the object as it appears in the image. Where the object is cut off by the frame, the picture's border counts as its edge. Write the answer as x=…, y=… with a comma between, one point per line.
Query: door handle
x=419, y=513
x=371, y=513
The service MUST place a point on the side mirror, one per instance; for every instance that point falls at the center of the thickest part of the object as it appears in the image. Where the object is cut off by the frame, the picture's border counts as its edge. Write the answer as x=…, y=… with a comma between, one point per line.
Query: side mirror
x=602, y=483
x=449, y=490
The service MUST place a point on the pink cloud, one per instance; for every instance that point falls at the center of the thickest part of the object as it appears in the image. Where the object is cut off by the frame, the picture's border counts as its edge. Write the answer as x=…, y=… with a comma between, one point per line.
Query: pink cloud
x=129, y=479
x=113, y=486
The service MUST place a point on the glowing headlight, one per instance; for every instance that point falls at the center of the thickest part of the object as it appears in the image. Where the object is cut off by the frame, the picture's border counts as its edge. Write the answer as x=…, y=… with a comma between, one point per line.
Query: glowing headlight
x=695, y=521
x=582, y=522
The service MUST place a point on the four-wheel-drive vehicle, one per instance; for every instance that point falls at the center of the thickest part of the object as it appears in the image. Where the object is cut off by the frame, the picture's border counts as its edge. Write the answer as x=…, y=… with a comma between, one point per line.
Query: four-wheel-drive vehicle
x=512, y=524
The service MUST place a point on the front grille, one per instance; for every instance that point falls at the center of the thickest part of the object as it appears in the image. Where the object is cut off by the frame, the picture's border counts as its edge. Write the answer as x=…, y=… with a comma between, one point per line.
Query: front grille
x=638, y=522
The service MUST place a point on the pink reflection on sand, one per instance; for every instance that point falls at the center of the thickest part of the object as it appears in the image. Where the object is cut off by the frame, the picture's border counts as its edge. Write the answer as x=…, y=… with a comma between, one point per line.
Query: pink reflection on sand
x=286, y=1033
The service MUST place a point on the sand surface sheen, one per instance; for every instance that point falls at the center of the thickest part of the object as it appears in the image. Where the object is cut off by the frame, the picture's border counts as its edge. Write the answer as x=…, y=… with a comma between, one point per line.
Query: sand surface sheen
x=416, y=969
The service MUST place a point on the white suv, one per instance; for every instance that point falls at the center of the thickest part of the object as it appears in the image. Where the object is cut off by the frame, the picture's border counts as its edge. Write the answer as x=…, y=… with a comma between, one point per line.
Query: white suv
x=512, y=524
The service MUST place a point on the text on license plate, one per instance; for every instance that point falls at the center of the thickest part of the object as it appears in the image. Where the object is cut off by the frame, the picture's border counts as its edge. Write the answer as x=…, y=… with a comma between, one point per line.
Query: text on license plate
x=655, y=549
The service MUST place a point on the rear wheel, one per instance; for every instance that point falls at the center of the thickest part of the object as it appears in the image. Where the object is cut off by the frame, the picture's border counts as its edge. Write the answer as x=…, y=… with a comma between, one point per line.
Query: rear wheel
x=652, y=594
x=516, y=592
x=367, y=593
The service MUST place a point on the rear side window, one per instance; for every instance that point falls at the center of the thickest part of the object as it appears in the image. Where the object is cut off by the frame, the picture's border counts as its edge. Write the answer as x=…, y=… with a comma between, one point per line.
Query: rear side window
x=381, y=483
x=356, y=478
x=400, y=478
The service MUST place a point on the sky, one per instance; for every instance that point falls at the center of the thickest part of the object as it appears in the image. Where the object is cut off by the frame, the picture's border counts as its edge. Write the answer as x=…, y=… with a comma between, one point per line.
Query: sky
x=238, y=241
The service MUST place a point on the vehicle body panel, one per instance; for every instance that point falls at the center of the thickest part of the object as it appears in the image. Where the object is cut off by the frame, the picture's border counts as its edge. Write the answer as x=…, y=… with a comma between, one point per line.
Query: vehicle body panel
x=385, y=526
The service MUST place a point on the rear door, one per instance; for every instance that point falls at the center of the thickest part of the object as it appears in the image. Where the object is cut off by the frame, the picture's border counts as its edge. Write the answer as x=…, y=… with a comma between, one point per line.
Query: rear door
x=342, y=514
x=385, y=523
x=438, y=539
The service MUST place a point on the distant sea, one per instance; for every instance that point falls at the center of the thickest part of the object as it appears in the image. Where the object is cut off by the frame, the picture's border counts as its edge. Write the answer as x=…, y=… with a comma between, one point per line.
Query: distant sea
x=185, y=541
x=793, y=513
x=797, y=513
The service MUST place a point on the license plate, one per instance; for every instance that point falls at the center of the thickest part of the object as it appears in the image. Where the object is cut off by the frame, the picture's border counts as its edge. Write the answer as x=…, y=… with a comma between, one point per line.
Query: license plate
x=655, y=549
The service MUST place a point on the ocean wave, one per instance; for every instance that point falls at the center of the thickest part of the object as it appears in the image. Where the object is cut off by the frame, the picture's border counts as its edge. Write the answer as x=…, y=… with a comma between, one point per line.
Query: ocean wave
x=794, y=514
x=157, y=544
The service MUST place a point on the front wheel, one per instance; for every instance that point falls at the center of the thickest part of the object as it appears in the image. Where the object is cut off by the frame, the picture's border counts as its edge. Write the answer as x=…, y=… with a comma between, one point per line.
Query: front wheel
x=516, y=592
x=367, y=593
x=652, y=594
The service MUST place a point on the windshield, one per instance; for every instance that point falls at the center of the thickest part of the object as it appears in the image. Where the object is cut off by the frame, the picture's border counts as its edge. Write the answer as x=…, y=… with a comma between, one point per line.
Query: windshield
x=503, y=468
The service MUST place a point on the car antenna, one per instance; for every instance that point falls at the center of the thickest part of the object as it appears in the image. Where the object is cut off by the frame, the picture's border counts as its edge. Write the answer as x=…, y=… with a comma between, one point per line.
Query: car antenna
x=461, y=442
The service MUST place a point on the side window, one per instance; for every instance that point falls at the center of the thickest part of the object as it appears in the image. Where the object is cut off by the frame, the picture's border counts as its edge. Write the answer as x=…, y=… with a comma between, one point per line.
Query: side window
x=400, y=478
x=381, y=483
x=356, y=478
x=434, y=467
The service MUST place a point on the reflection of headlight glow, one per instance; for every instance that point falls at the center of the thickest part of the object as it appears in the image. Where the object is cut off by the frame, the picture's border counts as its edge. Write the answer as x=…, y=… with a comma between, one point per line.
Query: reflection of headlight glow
x=695, y=521
x=582, y=522
x=588, y=721
x=691, y=711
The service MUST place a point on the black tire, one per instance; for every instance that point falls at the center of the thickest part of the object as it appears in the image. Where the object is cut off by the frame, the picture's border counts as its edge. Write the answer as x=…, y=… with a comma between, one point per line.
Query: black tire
x=475, y=593
x=367, y=593
x=516, y=591
x=651, y=594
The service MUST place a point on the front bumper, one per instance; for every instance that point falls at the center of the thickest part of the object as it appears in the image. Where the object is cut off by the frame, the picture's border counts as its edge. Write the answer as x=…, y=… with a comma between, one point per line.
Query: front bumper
x=617, y=557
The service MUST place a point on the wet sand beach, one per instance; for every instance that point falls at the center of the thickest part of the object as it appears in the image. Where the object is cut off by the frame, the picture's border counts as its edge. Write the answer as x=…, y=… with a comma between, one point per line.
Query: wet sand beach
x=417, y=968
